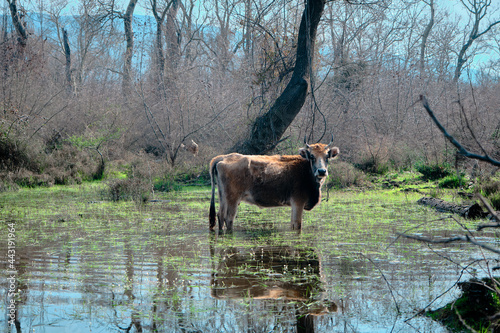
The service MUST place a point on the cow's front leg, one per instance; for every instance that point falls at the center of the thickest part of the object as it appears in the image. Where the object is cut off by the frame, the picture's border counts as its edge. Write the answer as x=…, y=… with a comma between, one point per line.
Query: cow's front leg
x=297, y=210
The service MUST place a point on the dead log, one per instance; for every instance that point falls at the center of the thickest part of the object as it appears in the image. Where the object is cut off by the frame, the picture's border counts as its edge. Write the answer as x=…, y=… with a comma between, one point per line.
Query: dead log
x=473, y=211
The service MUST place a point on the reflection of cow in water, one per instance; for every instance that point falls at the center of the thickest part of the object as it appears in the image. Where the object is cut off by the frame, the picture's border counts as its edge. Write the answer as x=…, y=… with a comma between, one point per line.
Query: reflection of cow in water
x=278, y=274
x=269, y=181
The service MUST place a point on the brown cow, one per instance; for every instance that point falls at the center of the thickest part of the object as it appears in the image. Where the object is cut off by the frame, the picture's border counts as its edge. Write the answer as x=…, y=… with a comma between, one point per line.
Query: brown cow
x=269, y=181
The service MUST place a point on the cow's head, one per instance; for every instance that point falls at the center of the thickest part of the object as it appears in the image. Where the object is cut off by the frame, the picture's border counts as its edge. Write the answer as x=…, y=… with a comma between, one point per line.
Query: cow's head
x=318, y=154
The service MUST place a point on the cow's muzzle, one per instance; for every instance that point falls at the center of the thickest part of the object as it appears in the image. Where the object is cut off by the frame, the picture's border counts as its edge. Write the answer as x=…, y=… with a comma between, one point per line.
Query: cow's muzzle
x=321, y=173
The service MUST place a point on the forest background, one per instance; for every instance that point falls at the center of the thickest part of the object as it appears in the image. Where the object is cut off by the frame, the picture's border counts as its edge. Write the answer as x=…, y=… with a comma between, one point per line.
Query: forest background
x=96, y=88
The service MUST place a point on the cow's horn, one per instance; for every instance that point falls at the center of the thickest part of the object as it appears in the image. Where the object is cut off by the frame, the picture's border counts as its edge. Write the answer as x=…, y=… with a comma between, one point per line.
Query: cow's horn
x=331, y=142
x=305, y=141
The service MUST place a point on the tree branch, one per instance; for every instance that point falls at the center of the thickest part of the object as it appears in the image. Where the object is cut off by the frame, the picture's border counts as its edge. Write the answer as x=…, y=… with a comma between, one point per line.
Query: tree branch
x=453, y=141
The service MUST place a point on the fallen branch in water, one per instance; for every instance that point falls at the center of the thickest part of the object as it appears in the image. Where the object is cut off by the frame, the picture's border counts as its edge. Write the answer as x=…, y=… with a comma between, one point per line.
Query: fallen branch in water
x=465, y=238
x=467, y=211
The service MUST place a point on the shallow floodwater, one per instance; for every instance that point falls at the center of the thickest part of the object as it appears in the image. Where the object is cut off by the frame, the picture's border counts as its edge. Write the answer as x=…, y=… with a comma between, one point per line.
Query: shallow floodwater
x=84, y=264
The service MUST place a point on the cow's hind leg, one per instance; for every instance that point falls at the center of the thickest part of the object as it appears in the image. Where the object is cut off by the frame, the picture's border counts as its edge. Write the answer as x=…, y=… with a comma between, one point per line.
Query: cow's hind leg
x=222, y=208
x=232, y=207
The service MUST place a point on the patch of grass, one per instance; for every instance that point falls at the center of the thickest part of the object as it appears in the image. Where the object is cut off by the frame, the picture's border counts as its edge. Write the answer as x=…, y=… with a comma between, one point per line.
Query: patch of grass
x=491, y=190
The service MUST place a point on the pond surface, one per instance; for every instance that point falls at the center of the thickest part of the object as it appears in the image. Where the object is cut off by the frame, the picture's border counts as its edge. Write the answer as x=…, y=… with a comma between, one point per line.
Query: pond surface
x=83, y=264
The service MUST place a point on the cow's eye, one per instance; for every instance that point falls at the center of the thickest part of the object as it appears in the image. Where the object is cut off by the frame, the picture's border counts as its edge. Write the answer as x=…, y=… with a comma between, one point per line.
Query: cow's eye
x=313, y=159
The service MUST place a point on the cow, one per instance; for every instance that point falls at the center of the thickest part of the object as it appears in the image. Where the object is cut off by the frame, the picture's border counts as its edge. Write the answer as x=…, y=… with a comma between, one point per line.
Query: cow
x=269, y=181
x=191, y=147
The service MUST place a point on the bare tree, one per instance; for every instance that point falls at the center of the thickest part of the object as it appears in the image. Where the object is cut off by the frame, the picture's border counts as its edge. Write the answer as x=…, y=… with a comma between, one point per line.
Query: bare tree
x=267, y=129
x=485, y=157
x=478, y=10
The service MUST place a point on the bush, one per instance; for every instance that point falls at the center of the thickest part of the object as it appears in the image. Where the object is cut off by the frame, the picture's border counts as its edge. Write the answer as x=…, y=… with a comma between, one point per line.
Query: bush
x=128, y=189
x=452, y=181
x=373, y=165
x=15, y=156
x=495, y=200
x=344, y=174
x=166, y=184
x=434, y=171
x=491, y=190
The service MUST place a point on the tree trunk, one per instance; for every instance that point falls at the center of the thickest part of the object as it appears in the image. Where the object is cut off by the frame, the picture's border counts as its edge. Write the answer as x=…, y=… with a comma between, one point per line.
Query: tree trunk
x=129, y=51
x=268, y=128
x=159, y=62
x=172, y=36
x=425, y=36
x=67, y=54
x=467, y=211
x=18, y=23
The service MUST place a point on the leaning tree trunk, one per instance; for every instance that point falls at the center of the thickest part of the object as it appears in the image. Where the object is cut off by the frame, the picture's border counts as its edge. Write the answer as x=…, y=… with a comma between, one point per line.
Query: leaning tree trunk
x=268, y=128
x=18, y=23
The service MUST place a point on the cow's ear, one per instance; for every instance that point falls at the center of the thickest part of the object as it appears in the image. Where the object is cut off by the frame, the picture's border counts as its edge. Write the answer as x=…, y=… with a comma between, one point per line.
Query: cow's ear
x=333, y=152
x=304, y=153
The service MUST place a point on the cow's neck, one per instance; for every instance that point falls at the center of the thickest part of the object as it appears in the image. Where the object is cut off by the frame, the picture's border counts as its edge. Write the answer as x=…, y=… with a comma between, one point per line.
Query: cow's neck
x=314, y=193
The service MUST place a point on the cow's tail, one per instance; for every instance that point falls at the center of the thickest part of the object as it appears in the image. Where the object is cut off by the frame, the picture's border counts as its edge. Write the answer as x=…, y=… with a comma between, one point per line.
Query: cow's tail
x=213, y=174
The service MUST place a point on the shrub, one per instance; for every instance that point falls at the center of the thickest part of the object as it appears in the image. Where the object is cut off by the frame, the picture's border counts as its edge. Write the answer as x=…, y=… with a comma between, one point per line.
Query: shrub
x=344, y=174
x=495, y=200
x=128, y=189
x=491, y=190
x=166, y=184
x=433, y=171
x=374, y=165
x=15, y=156
x=452, y=181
